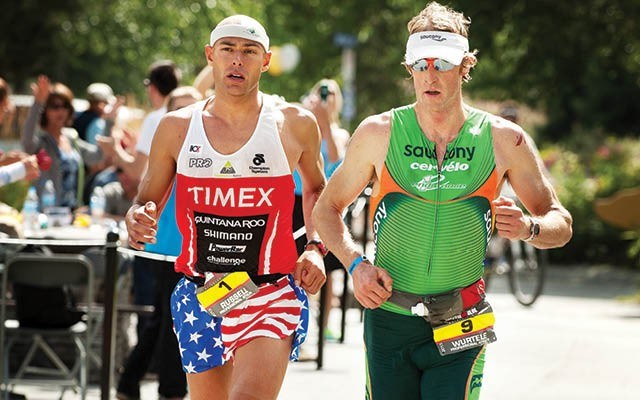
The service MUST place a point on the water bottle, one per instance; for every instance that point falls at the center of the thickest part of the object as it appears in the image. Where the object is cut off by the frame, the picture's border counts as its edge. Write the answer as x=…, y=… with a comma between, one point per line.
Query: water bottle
x=48, y=196
x=30, y=210
x=97, y=203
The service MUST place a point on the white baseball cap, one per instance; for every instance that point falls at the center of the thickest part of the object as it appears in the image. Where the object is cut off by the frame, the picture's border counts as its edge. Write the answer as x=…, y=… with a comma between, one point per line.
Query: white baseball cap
x=436, y=44
x=250, y=29
x=100, y=92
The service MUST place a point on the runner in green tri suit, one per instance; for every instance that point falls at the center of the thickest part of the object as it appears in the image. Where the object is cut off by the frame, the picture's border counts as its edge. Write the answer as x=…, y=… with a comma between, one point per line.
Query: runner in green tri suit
x=436, y=167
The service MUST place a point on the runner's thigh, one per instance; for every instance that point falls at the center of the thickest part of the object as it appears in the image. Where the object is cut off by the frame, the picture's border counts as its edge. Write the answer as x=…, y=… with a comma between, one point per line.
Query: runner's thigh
x=213, y=383
x=259, y=367
x=390, y=339
x=453, y=377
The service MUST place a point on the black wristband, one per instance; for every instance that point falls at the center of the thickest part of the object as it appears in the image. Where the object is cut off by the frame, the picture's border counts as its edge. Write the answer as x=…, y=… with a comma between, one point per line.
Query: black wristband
x=318, y=243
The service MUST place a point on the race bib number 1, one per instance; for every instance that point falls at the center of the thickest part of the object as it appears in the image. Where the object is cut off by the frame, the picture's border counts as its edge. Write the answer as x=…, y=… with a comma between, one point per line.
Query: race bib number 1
x=222, y=292
x=474, y=330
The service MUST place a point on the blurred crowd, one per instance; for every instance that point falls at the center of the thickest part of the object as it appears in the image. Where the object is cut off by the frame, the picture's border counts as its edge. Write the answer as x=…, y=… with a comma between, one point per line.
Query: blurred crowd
x=66, y=154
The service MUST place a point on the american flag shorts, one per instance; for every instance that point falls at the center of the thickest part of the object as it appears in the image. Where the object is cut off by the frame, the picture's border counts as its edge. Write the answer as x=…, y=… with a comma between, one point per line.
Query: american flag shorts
x=277, y=311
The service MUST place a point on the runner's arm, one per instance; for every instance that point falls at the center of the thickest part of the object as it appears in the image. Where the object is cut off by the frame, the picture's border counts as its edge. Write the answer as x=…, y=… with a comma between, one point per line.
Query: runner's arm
x=142, y=217
x=525, y=170
x=366, y=151
x=310, y=167
x=309, y=271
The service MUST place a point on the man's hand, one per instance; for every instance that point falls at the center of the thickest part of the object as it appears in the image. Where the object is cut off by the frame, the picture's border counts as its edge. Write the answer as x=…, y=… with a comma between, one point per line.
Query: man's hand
x=309, y=272
x=142, y=225
x=111, y=110
x=511, y=222
x=31, y=167
x=12, y=156
x=371, y=285
x=107, y=144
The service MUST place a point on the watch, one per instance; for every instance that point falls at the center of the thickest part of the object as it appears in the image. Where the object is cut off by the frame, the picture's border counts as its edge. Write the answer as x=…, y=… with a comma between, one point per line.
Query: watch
x=319, y=245
x=534, y=229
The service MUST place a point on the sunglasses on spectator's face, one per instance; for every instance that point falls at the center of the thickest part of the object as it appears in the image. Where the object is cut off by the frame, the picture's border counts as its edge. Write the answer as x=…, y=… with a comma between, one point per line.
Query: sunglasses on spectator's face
x=57, y=106
x=436, y=63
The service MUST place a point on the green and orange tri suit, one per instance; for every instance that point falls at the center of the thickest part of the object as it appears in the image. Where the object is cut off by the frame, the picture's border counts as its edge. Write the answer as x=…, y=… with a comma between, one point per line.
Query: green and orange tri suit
x=431, y=228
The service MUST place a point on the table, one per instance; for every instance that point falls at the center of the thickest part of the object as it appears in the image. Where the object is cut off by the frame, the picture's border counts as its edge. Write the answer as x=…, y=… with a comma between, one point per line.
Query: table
x=85, y=237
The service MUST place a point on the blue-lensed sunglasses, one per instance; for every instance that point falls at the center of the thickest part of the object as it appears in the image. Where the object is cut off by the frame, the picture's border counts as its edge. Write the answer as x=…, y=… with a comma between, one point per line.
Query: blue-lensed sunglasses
x=436, y=63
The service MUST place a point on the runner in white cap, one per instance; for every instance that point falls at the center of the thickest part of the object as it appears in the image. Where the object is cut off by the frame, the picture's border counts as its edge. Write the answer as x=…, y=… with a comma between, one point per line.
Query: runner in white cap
x=436, y=166
x=241, y=311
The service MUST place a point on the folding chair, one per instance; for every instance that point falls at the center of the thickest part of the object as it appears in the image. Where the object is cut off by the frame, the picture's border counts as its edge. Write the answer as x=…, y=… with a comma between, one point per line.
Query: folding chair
x=47, y=271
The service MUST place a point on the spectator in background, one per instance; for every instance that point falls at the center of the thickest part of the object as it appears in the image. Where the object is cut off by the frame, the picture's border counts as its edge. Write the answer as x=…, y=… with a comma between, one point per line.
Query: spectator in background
x=325, y=101
x=89, y=123
x=26, y=169
x=204, y=82
x=5, y=102
x=510, y=113
x=15, y=165
x=119, y=195
x=53, y=109
x=104, y=172
x=163, y=77
x=158, y=337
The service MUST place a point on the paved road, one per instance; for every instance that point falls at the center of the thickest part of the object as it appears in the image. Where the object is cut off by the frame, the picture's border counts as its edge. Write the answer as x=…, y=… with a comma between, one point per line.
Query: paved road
x=579, y=341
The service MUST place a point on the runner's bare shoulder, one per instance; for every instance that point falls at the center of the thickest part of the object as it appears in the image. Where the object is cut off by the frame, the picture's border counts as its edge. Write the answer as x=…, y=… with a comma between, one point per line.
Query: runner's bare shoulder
x=172, y=130
x=174, y=124
x=507, y=133
x=295, y=118
x=375, y=128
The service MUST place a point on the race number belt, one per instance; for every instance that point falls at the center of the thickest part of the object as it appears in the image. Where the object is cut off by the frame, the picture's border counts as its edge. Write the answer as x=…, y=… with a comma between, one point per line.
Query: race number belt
x=222, y=292
x=461, y=319
x=473, y=328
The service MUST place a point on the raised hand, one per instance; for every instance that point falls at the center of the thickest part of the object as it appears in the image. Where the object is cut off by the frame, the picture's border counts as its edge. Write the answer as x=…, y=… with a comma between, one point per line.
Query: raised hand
x=40, y=89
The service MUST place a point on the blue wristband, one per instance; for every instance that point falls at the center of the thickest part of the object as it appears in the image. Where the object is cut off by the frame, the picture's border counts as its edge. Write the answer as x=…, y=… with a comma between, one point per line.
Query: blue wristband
x=355, y=263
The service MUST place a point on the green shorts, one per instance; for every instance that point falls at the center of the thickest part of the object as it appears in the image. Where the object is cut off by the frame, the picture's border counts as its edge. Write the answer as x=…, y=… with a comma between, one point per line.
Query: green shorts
x=404, y=363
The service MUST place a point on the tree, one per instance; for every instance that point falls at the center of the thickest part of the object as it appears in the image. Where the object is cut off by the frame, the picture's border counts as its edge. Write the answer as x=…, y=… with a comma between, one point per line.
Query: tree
x=578, y=61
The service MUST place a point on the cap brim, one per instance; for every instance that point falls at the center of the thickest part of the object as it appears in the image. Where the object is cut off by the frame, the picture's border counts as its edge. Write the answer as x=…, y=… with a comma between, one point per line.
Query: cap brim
x=454, y=56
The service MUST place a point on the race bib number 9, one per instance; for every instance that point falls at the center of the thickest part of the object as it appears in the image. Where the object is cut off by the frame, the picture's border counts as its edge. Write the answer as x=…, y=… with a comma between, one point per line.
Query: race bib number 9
x=473, y=330
x=222, y=292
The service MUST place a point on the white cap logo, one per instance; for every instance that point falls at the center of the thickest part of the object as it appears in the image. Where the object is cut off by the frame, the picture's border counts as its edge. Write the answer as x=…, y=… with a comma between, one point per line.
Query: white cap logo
x=435, y=44
x=254, y=33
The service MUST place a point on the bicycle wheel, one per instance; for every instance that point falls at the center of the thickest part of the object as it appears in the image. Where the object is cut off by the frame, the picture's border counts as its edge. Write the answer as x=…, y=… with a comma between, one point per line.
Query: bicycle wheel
x=526, y=276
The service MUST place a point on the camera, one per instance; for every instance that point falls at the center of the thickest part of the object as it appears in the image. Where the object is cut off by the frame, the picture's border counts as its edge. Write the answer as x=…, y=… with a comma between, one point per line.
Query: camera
x=324, y=92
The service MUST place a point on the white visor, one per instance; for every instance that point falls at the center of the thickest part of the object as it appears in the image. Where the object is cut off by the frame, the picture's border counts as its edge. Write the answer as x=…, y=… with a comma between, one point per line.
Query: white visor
x=255, y=33
x=435, y=44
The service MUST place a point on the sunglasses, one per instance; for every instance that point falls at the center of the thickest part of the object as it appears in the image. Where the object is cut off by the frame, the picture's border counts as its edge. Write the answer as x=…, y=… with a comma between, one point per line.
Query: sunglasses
x=436, y=63
x=57, y=106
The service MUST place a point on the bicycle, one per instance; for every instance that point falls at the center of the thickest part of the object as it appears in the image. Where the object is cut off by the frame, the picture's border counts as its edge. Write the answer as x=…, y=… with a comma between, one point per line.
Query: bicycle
x=524, y=264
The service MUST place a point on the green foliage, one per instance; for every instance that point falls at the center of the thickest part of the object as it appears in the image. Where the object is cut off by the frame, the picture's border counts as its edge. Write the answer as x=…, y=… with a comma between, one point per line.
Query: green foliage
x=14, y=194
x=598, y=170
x=578, y=61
